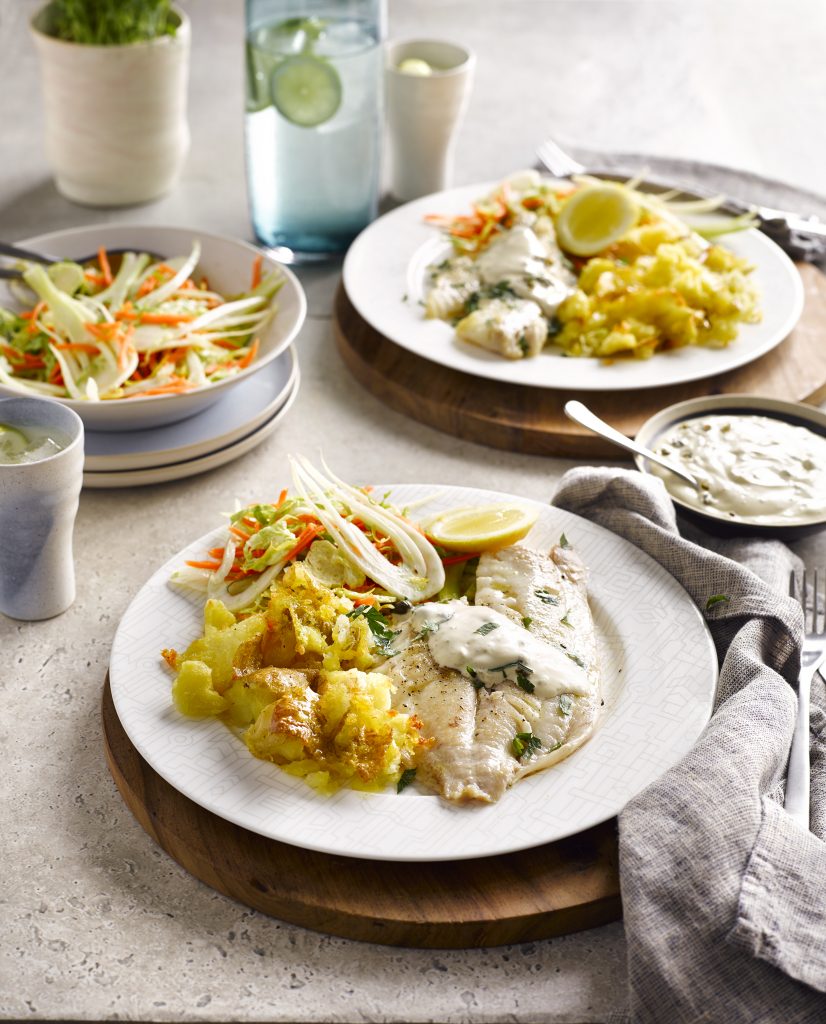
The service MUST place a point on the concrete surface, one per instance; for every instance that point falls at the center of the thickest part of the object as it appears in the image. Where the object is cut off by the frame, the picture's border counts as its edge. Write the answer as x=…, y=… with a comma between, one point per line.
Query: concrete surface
x=98, y=923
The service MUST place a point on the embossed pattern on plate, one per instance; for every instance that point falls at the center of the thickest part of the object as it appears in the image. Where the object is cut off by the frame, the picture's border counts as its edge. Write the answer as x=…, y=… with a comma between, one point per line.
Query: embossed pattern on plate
x=659, y=671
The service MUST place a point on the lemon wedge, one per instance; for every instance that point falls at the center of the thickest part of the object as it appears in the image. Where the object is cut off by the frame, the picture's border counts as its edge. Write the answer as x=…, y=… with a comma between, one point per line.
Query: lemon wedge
x=482, y=527
x=595, y=217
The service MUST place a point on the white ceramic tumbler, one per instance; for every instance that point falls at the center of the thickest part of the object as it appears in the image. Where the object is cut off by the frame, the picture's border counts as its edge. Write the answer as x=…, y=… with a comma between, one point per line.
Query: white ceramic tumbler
x=423, y=114
x=38, y=504
x=116, y=121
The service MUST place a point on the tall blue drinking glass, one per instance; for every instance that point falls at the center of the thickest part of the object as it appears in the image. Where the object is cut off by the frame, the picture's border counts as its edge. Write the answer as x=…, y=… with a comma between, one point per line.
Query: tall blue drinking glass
x=313, y=122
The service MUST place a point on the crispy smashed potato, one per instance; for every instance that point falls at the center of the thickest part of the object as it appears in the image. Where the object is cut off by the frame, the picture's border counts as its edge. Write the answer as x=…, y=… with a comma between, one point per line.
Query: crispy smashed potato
x=657, y=289
x=292, y=677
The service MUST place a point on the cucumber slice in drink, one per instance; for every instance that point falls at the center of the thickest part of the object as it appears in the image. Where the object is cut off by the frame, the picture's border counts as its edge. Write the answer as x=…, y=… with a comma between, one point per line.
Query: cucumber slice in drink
x=13, y=443
x=306, y=90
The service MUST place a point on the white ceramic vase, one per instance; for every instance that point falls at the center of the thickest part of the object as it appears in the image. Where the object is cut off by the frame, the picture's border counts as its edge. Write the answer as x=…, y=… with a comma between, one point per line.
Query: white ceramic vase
x=115, y=116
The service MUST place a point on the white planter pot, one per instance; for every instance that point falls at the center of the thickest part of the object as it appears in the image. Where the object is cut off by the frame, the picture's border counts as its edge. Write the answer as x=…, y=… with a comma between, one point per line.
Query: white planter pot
x=116, y=128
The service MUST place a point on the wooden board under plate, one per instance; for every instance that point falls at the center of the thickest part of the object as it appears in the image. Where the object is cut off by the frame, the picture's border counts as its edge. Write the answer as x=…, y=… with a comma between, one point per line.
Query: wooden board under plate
x=550, y=890
x=531, y=420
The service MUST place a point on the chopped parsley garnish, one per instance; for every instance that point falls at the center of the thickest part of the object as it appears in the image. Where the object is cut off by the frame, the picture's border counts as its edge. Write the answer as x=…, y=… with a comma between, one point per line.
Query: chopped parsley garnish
x=406, y=777
x=524, y=744
x=546, y=597
x=523, y=345
x=486, y=627
x=576, y=659
x=526, y=621
x=566, y=704
x=563, y=541
x=716, y=599
x=564, y=621
x=474, y=675
x=379, y=626
x=427, y=629
x=524, y=683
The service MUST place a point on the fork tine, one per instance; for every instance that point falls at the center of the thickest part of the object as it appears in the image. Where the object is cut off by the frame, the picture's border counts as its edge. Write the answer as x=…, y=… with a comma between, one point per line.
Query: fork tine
x=557, y=160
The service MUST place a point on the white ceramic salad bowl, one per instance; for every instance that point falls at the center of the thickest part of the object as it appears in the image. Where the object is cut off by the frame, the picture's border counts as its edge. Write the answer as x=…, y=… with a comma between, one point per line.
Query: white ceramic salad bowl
x=226, y=262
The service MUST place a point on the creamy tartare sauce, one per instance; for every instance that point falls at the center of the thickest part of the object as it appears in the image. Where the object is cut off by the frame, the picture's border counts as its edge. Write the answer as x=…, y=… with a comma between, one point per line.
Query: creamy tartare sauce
x=490, y=648
x=753, y=468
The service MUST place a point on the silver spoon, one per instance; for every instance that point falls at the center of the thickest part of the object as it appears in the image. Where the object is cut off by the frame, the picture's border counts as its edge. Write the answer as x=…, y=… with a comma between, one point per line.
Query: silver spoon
x=581, y=414
x=15, y=252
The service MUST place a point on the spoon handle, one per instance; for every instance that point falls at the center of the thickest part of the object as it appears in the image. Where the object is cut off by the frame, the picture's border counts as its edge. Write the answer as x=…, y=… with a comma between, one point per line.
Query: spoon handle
x=23, y=254
x=582, y=415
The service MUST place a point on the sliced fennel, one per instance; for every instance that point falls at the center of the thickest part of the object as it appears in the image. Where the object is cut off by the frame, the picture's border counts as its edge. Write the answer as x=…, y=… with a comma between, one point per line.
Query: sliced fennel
x=421, y=574
x=150, y=329
x=689, y=214
x=329, y=525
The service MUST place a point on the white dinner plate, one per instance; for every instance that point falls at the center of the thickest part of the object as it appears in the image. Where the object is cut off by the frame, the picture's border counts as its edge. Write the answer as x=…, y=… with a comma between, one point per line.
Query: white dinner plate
x=192, y=467
x=659, y=670
x=385, y=274
x=232, y=417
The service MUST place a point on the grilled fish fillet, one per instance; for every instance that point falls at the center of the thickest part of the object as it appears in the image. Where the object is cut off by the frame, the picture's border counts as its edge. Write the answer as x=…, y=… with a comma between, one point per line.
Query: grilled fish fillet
x=501, y=723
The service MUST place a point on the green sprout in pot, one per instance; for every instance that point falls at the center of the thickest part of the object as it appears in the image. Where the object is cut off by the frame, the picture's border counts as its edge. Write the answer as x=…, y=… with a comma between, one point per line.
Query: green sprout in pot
x=111, y=22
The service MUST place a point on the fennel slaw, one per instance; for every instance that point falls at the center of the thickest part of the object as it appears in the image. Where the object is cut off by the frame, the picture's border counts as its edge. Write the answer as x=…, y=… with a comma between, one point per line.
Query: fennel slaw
x=155, y=327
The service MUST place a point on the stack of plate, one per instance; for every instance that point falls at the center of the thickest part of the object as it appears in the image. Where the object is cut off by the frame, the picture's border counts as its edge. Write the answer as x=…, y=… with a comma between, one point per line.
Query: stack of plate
x=246, y=415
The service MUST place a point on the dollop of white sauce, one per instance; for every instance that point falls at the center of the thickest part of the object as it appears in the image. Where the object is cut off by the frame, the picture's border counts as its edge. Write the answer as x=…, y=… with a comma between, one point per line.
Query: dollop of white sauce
x=753, y=468
x=488, y=647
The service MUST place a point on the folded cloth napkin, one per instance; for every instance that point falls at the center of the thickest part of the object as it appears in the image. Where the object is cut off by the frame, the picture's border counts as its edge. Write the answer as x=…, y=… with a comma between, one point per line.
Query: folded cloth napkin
x=723, y=893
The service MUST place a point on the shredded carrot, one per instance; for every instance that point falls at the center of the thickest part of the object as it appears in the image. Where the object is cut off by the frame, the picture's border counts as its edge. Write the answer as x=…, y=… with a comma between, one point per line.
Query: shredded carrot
x=455, y=559
x=33, y=314
x=216, y=553
x=205, y=565
x=167, y=319
x=105, y=269
x=305, y=538
x=282, y=497
x=77, y=346
x=22, y=358
x=106, y=332
x=149, y=285
x=240, y=533
x=256, y=270
x=366, y=599
x=252, y=352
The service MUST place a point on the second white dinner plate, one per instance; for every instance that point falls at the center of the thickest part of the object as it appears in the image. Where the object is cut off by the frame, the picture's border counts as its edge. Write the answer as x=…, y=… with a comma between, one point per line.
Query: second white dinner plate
x=234, y=416
x=191, y=467
x=659, y=676
x=385, y=275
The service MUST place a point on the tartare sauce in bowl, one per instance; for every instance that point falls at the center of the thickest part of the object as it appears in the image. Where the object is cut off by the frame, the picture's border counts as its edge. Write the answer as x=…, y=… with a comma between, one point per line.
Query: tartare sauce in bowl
x=759, y=462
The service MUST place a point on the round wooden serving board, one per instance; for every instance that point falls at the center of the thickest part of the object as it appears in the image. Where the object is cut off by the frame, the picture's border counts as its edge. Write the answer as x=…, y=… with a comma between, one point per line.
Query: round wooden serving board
x=531, y=420
x=550, y=890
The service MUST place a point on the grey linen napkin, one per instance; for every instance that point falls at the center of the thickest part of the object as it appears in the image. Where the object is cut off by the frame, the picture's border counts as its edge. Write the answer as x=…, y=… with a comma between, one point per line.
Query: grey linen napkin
x=724, y=895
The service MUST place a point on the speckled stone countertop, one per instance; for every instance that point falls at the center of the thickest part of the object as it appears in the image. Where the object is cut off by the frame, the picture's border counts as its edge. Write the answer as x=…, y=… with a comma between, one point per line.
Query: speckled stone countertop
x=98, y=922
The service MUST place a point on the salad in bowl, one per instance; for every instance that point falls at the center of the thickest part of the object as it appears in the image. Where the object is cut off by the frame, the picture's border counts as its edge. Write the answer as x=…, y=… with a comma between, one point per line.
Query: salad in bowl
x=149, y=327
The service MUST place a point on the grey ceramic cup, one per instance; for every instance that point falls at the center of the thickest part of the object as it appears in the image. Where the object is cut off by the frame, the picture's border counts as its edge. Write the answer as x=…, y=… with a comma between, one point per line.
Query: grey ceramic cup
x=38, y=504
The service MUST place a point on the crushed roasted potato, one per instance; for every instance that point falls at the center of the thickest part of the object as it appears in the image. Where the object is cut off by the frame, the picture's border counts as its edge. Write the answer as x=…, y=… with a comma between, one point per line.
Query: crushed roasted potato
x=292, y=677
x=656, y=289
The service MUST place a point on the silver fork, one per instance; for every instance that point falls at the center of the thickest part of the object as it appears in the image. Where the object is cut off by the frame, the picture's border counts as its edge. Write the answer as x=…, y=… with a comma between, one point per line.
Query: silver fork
x=802, y=237
x=558, y=162
x=812, y=657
